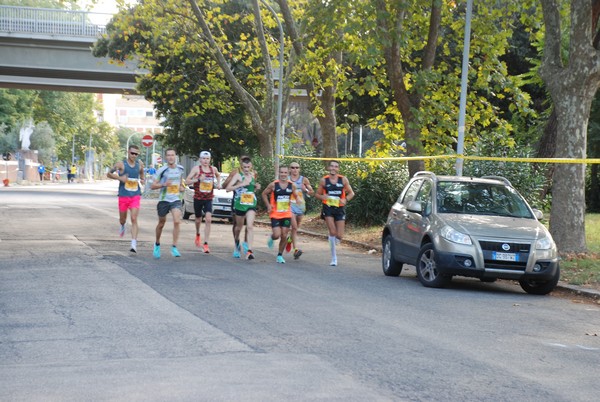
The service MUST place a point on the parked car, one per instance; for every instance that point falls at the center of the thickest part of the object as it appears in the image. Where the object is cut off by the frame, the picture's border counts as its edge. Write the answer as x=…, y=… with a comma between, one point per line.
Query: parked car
x=221, y=202
x=475, y=227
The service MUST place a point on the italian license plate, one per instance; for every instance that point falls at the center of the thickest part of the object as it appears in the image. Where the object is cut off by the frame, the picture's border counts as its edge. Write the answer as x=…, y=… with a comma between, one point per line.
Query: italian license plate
x=226, y=208
x=505, y=256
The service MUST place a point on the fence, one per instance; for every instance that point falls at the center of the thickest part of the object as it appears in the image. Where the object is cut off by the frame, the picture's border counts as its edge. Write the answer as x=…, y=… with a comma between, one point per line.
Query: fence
x=49, y=21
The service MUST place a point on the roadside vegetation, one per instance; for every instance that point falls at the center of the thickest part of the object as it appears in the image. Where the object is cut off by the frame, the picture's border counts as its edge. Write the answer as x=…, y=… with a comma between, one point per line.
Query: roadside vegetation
x=584, y=269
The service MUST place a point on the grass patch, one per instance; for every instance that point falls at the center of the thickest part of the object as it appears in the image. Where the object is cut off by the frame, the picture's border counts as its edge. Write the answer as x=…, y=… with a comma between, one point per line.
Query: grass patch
x=584, y=270
x=581, y=271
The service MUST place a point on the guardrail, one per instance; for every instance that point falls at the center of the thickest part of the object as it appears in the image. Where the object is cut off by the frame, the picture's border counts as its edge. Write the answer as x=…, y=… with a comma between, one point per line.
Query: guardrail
x=48, y=21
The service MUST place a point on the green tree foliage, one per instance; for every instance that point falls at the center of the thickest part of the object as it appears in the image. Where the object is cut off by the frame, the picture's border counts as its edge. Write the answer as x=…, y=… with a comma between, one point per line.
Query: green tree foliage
x=593, y=151
x=15, y=106
x=42, y=140
x=415, y=54
x=9, y=139
x=72, y=117
x=199, y=55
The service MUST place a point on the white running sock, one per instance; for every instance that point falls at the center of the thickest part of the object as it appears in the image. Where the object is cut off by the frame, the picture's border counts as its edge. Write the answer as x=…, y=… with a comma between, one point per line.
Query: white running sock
x=332, y=247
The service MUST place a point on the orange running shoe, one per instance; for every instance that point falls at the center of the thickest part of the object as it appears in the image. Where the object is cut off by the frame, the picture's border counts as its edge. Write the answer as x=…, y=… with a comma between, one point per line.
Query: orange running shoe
x=197, y=241
x=206, y=249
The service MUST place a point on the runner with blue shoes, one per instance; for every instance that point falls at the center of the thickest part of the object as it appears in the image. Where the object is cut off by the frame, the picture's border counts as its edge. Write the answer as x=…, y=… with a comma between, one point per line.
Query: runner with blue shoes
x=277, y=197
x=170, y=180
x=244, y=186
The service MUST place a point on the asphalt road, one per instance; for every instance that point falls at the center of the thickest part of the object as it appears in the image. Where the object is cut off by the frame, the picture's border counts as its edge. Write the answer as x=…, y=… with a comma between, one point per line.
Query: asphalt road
x=81, y=318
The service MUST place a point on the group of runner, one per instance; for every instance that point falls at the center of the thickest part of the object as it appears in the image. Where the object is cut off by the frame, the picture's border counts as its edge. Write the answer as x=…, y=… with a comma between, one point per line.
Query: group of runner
x=284, y=199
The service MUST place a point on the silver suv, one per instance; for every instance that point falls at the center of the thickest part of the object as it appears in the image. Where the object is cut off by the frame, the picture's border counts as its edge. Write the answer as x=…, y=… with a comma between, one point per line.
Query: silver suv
x=477, y=227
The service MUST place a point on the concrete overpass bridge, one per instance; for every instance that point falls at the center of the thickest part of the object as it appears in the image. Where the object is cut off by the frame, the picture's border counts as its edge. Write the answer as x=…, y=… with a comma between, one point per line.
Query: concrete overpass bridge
x=50, y=49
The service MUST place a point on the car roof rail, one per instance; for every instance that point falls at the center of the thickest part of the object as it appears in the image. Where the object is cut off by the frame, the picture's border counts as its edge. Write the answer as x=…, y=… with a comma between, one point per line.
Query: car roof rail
x=425, y=173
x=501, y=178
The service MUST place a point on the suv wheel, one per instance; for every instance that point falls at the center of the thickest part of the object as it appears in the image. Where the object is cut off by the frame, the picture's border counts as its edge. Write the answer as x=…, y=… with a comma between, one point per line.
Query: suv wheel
x=534, y=287
x=427, y=271
x=391, y=267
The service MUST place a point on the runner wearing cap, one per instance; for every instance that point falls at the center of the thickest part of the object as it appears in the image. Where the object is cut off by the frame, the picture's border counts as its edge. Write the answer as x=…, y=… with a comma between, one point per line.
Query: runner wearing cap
x=204, y=177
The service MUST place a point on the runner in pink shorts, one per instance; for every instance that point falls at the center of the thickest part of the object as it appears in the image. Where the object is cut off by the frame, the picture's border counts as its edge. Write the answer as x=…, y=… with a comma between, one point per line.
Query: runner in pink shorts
x=130, y=174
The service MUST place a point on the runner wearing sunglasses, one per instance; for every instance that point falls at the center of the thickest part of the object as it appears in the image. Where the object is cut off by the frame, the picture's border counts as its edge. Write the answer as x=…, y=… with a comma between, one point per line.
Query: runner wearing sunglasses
x=130, y=174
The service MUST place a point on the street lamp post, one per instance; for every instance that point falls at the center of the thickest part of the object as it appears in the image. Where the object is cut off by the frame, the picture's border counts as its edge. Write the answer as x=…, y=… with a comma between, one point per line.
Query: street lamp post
x=278, y=146
x=127, y=146
x=463, y=89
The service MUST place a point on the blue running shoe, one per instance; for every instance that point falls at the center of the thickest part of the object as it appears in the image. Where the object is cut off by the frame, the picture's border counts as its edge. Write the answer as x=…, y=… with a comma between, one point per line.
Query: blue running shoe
x=245, y=247
x=156, y=252
x=280, y=259
x=175, y=252
x=236, y=253
x=122, y=231
x=270, y=243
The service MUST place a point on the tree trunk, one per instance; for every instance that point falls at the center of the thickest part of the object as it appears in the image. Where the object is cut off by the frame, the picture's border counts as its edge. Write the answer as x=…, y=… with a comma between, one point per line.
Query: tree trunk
x=573, y=88
x=413, y=147
x=328, y=123
x=265, y=142
x=567, y=215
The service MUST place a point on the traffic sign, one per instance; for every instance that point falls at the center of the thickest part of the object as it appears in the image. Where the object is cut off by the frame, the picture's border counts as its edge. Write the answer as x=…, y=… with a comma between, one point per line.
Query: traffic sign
x=147, y=140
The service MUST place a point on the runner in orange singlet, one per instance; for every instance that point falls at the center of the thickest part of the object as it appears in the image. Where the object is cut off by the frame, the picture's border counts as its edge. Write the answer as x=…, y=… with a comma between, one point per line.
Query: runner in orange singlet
x=277, y=197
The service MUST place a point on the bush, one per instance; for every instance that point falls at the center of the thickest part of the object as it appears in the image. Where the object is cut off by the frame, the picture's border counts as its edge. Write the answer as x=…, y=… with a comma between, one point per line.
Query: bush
x=377, y=187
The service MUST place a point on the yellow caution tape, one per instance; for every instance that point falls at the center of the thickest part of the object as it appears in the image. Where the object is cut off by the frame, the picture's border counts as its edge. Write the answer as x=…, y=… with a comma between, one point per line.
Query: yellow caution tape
x=481, y=158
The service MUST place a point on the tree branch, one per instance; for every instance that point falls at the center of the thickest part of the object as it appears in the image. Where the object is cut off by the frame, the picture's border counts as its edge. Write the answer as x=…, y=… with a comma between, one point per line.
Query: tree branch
x=252, y=105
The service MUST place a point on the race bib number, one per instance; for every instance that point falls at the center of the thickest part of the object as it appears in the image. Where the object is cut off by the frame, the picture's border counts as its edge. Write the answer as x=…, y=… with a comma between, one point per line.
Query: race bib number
x=131, y=185
x=206, y=186
x=333, y=201
x=173, y=189
x=283, y=204
x=299, y=198
x=247, y=199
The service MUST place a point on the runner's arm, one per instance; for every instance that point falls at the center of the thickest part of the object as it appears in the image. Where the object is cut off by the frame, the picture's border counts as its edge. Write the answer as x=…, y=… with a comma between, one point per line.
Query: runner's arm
x=193, y=176
x=309, y=189
x=114, y=172
x=348, y=189
x=265, y=195
x=320, y=194
x=231, y=185
x=218, y=176
x=228, y=179
x=142, y=173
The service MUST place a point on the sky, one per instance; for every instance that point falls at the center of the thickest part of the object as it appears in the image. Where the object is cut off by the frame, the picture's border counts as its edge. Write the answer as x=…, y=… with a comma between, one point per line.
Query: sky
x=101, y=6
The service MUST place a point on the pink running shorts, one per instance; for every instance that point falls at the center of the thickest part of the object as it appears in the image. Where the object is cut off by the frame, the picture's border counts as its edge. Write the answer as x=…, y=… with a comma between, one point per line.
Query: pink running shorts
x=126, y=203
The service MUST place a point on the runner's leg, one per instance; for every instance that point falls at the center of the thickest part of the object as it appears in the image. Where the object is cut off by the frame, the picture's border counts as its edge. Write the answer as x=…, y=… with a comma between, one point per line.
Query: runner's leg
x=250, y=215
